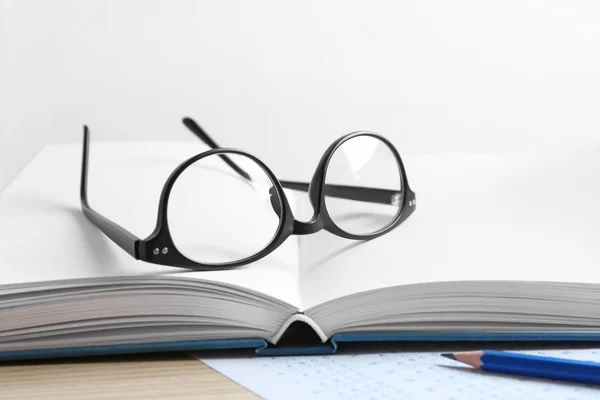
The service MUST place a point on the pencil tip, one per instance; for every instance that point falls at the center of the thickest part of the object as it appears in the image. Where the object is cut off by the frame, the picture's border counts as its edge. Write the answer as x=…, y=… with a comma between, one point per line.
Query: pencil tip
x=449, y=355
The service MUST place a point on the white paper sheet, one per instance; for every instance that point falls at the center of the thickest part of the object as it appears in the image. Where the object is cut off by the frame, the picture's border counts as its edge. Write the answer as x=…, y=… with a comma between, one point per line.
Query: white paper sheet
x=394, y=375
x=42, y=206
x=523, y=217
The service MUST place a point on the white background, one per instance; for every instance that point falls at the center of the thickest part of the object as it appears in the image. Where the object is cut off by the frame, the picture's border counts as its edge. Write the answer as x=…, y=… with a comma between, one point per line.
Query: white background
x=283, y=79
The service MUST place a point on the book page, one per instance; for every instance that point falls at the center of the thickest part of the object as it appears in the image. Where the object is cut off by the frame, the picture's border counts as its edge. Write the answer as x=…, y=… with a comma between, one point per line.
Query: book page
x=531, y=217
x=45, y=235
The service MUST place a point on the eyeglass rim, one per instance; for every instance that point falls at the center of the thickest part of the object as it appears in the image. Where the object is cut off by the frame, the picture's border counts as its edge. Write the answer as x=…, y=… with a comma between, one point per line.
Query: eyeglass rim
x=329, y=223
x=288, y=225
x=161, y=237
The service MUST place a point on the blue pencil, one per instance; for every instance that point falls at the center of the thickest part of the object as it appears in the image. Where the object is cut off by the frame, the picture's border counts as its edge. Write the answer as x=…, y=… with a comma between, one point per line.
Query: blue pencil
x=522, y=364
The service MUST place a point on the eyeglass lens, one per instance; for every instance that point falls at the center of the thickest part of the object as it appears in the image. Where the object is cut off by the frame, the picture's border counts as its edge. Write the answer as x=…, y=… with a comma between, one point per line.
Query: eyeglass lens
x=368, y=162
x=217, y=216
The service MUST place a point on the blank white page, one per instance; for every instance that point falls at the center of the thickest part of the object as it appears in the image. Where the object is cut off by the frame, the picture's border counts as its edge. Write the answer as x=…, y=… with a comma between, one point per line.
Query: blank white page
x=45, y=235
x=532, y=217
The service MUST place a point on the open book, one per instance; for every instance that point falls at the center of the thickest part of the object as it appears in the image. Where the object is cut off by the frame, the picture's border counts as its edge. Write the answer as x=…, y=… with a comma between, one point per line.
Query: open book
x=500, y=248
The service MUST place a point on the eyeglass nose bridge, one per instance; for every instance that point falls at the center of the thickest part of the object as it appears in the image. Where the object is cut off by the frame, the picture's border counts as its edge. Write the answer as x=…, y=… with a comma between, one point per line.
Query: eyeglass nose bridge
x=307, y=228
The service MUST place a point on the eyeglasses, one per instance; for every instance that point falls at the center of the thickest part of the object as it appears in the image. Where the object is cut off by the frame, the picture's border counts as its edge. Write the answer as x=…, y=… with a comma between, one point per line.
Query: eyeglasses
x=238, y=212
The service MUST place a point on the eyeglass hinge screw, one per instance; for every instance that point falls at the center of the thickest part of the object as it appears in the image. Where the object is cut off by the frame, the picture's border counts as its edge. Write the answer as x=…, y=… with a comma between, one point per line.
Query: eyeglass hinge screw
x=155, y=251
x=165, y=250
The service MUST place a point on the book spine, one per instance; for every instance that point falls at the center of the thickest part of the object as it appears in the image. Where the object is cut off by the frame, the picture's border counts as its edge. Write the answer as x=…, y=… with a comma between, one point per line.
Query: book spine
x=299, y=317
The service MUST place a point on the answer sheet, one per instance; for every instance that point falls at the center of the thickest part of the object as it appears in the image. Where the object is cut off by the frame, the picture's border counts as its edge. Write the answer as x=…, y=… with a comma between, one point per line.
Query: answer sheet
x=394, y=375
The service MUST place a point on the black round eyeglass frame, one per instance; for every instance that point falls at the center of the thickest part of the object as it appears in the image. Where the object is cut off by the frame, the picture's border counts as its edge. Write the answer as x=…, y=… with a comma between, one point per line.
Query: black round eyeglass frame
x=159, y=248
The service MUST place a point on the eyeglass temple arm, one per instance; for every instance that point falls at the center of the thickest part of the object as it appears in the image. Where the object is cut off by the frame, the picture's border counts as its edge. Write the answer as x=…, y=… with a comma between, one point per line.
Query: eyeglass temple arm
x=358, y=193
x=366, y=194
x=122, y=237
x=202, y=135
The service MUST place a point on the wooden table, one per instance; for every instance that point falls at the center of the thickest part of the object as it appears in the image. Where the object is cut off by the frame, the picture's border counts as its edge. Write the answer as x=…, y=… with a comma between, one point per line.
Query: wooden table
x=172, y=376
